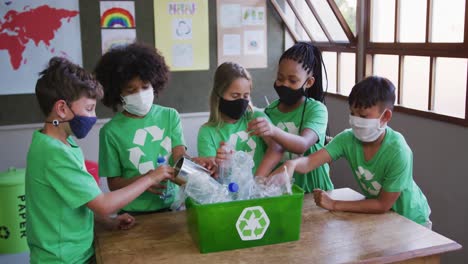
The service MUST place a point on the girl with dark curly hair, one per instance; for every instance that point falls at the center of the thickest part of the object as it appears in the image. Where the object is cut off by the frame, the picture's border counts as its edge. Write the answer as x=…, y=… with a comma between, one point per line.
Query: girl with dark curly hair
x=144, y=134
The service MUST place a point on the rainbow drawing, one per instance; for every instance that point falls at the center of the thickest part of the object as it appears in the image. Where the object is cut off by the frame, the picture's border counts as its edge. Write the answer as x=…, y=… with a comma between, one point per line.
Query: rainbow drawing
x=117, y=17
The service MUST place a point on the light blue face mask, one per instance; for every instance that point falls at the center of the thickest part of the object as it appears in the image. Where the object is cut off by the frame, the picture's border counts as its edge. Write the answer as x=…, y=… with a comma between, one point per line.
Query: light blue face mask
x=367, y=129
x=139, y=103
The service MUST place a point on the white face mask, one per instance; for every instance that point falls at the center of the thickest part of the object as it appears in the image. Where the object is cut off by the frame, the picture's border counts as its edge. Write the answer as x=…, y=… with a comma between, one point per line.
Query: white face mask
x=139, y=103
x=366, y=129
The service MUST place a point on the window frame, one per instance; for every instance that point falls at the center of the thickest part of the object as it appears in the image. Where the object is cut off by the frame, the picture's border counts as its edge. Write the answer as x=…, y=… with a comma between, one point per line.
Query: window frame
x=365, y=49
x=427, y=49
x=331, y=45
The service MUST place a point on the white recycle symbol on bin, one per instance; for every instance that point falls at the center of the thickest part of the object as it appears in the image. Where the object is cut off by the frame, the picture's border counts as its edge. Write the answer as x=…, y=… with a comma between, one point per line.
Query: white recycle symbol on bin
x=252, y=223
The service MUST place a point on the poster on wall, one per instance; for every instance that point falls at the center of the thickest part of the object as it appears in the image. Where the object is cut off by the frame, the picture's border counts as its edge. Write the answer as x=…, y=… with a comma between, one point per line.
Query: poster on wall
x=117, y=24
x=242, y=32
x=32, y=32
x=181, y=33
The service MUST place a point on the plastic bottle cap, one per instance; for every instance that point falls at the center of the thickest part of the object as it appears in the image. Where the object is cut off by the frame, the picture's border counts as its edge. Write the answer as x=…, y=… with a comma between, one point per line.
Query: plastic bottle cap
x=161, y=160
x=233, y=187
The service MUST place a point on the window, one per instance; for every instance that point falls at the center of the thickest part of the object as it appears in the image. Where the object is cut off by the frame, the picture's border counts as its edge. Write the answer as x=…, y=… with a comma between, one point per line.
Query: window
x=425, y=40
x=331, y=26
x=420, y=45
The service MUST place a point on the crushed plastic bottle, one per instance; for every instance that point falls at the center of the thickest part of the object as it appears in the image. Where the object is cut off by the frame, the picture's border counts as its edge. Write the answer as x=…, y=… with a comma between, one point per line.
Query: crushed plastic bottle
x=240, y=185
x=233, y=189
x=206, y=190
x=225, y=167
x=242, y=164
x=168, y=192
x=179, y=201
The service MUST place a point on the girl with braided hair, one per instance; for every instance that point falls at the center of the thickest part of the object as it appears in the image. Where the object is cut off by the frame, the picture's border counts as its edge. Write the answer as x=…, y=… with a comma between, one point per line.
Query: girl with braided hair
x=299, y=117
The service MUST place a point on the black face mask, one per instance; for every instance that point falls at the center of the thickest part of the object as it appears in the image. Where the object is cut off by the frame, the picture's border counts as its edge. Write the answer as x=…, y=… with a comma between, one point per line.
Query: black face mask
x=234, y=109
x=287, y=95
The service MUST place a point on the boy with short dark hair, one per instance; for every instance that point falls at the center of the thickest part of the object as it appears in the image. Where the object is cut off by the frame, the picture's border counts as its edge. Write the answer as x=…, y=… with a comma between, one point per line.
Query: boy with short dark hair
x=61, y=195
x=381, y=160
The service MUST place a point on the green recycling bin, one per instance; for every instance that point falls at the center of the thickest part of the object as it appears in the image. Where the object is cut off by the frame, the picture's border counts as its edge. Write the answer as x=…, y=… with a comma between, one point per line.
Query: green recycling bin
x=13, y=212
x=248, y=223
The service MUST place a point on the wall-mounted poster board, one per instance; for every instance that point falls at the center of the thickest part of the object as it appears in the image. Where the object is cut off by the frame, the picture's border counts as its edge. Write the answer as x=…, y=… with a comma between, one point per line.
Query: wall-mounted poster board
x=31, y=33
x=242, y=32
x=117, y=24
x=181, y=33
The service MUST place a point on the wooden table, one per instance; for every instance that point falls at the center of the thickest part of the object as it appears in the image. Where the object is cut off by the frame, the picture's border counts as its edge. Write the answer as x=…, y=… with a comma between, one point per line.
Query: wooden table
x=326, y=237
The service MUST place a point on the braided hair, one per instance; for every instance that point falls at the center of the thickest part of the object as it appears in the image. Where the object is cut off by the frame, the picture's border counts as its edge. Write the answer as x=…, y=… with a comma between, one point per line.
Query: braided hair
x=311, y=59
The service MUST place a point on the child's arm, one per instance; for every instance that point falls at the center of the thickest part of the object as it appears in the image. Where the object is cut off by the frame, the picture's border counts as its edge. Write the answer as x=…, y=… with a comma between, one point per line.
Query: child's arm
x=297, y=144
x=305, y=164
x=108, y=203
x=272, y=157
x=207, y=149
x=123, y=221
x=381, y=204
x=178, y=152
x=116, y=183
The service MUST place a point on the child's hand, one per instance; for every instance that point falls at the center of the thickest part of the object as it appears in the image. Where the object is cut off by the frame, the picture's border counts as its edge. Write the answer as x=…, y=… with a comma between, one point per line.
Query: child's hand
x=157, y=188
x=261, y=127
x=207, y=163
x=223, y=152
x=279, y=179
x=289, y=166
x=124, y=221
x=323, y=200
x=161, y=173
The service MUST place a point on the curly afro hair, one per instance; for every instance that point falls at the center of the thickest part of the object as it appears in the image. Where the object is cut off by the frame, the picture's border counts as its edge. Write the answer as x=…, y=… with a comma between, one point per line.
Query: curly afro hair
x=122, y=64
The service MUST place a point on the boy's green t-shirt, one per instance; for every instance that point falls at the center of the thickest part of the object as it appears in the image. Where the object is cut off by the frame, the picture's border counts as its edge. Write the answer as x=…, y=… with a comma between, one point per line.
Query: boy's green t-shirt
x=59, y=224
x=210, y=138
x=316, y=119
x=130, y=147
x=391, y=169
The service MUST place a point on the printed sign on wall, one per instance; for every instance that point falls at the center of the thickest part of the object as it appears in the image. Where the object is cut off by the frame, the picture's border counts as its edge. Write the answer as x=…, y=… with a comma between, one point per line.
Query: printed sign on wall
x=181, y=33
x=117, y=24
x=242, y=32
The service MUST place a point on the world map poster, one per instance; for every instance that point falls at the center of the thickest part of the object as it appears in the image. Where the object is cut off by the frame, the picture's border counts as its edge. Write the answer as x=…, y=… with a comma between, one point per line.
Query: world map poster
x=32, y=32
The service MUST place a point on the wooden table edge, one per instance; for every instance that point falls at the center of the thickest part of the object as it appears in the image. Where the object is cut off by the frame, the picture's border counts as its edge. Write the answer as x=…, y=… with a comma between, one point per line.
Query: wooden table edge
x=418, y=253
x=97, y=249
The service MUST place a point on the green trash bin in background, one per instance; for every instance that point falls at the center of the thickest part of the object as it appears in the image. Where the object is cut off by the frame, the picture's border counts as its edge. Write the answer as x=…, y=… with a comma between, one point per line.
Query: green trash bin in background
x=13, y=212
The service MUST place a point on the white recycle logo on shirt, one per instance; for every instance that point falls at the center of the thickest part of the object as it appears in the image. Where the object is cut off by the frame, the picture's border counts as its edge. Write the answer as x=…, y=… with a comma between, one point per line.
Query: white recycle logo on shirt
x=139, y=139
x=366, y=180
x=244, y=137
x=252, y=223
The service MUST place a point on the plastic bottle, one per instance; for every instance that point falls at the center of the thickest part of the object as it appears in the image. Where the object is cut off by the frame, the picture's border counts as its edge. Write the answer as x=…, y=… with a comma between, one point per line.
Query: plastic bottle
x=233, y=189
x=225, y=167
x=242, y=164
x=206, y=190
x=167, y=193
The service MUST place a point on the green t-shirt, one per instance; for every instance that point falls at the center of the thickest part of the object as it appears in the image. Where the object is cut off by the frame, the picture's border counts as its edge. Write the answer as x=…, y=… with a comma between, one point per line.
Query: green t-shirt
x=316, y=119
x=210, y=137
x=391, y=168
x=58, y=222
x=130, y=147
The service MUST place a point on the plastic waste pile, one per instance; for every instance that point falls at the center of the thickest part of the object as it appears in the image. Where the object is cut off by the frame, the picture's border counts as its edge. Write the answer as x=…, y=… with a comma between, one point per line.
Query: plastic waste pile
x=235, y=182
